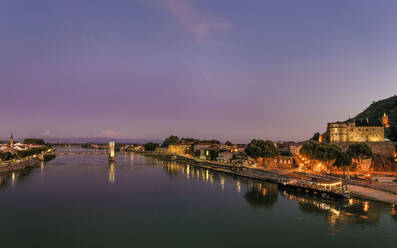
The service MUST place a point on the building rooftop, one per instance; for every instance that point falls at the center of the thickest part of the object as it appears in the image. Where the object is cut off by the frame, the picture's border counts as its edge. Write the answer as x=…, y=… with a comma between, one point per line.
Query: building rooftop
x=361, y=122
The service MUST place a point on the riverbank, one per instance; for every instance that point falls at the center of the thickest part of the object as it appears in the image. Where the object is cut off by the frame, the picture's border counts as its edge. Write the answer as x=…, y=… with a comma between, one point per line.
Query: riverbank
x=16, y=166
x=276, y=175
x=24, y=163
x=372, y=194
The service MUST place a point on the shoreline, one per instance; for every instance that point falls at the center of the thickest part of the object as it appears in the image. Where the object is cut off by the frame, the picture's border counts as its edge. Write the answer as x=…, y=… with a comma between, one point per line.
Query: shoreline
x=356, y=190
x=17, y=166
x=32, y=162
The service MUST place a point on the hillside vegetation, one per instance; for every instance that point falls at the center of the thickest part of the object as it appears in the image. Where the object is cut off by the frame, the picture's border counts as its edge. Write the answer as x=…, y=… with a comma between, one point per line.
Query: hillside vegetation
x=376, y=110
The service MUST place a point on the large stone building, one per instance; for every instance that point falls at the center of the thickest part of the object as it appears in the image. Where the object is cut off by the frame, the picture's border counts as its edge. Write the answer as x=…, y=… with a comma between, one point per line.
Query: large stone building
x=356, y=131
x=179, y=149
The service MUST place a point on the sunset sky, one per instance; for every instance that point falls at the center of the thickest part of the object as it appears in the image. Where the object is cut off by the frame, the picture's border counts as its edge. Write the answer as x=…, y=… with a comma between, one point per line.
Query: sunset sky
x=225, y=69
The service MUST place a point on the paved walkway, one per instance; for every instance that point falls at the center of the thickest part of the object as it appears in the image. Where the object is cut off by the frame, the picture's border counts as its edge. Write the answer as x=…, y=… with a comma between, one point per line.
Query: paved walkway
x=372, y=194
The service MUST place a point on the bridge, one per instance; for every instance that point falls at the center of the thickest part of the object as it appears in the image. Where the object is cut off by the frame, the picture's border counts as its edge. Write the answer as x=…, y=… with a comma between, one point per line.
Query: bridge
x=80, y=153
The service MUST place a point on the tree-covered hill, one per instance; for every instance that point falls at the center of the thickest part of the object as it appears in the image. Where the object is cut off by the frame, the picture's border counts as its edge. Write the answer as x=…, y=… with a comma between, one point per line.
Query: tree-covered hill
x=376, y=110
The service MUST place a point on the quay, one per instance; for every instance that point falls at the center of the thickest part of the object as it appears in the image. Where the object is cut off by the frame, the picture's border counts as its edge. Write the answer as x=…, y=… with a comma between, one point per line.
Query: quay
x=305, y=184
x=278, y=176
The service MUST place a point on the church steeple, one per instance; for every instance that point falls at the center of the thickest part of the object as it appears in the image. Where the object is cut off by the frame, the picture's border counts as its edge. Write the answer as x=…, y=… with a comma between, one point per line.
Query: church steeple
x=11, y=143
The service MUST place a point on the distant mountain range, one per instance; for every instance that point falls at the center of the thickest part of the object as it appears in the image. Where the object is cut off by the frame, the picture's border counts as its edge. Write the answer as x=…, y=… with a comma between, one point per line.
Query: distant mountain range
x=376, y=110
x=99, y=140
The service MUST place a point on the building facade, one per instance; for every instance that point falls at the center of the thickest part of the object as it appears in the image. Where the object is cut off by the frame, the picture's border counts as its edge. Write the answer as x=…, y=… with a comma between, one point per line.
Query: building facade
x=356, y=131
x=180, y=149
x=281, y=162
x=225, y=157
x=11, y=142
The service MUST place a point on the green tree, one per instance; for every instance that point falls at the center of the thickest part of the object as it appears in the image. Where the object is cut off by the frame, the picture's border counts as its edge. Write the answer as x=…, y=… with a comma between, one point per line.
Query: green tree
x=344, y=160
x=151, y=146
x=170, y=140
x=285, y=152
x=261, y=149
x=5, y=156
x=213, y=141
x=323, y=152
x=228, y=143
x=316, y=137
x=308, y=149
x=359, y=151
x=189, y=140
x=34, y=141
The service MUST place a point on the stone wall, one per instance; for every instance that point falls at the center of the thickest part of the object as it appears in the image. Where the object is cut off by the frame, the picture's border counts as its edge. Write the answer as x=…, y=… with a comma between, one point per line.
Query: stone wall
x=349, y=132
x=386, y=149
x=178, y=149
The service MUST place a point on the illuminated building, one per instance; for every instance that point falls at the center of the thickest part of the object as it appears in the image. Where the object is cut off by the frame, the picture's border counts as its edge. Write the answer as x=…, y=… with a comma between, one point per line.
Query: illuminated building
x=225, y=157
x=11, y=142
x=356, y=131
x=111, y=151
x=385, y=120
x=180, y=149
x=285, y=162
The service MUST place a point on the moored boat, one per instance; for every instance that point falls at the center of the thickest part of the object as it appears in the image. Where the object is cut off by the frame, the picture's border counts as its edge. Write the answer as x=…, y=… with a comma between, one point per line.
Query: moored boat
x=330, y=190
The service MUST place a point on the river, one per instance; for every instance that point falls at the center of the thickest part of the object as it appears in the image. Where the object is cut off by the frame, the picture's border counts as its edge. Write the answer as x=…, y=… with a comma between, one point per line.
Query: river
x=140, y=201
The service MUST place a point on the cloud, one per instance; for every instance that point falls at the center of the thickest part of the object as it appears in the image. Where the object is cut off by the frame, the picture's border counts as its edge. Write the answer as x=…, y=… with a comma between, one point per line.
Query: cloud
x=47, y=133
x=199, y=24
x=109, y=134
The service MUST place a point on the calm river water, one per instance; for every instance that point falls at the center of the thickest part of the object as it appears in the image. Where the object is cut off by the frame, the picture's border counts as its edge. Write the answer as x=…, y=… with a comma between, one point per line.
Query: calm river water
x=83, y=201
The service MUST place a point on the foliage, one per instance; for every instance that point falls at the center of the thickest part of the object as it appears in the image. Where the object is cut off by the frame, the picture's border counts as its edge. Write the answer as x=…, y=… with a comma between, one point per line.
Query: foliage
x=285, y=153
x=151, y=146
x=31, y=151
x=325, y=152
x=228, y=143
x=320, y=151
x=316, y=137
x=213, y=141
x=376, y=110
x=308, y=149
x=189, y=140
x=170, y=140
x=5, y=156
x=261, y=149
x=359, y=151
x=343, y=159
x=34, y=141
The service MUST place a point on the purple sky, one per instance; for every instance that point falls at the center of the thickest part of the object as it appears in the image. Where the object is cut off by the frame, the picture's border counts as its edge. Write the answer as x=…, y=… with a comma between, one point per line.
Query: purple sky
x=226, y=69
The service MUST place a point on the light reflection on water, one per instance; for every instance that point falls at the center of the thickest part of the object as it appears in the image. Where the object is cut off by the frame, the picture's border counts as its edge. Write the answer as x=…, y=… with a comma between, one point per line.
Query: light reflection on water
x=265, y=195
x=144, y=184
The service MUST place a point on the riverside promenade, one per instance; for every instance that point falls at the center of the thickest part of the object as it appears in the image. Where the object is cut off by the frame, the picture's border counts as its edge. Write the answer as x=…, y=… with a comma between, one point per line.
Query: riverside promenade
x=276, y=175
x=372, y=194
